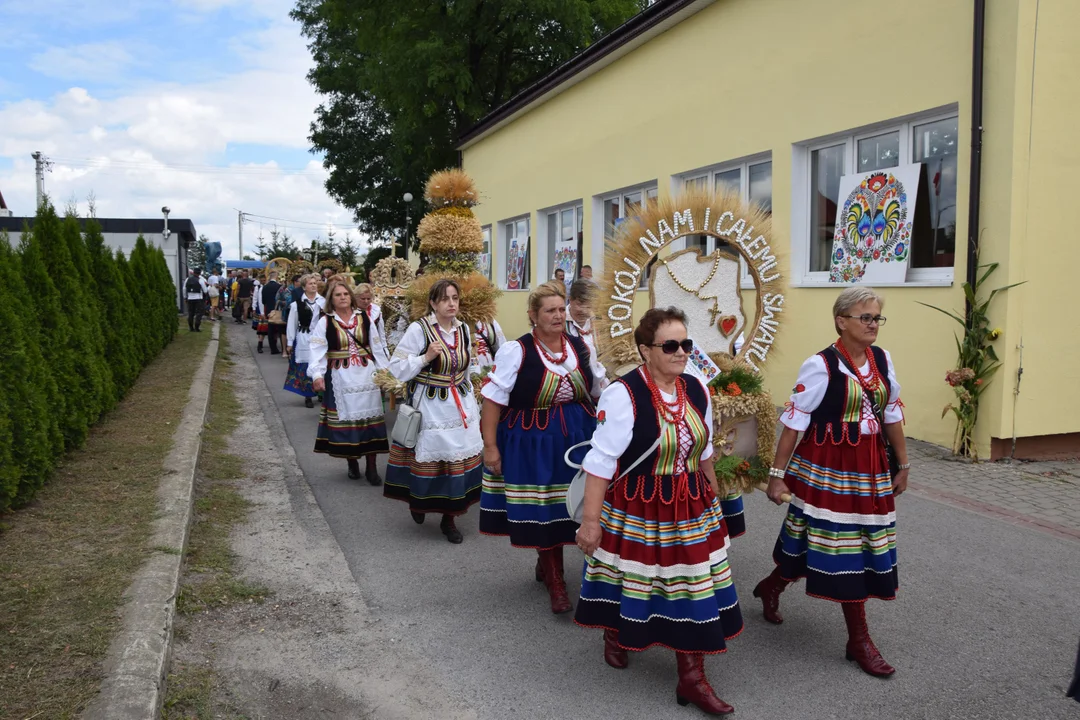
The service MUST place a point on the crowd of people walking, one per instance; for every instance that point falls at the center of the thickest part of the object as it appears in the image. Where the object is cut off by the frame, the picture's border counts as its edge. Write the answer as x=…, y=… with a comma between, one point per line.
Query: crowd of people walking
x=655, y=527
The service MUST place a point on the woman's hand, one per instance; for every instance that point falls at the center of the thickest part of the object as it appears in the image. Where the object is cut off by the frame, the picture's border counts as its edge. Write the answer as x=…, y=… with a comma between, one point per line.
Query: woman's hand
x=777, y=488
x=319, y=384
x=899, y=483
x=588, y=536
x=432, y=353
x=493, y=460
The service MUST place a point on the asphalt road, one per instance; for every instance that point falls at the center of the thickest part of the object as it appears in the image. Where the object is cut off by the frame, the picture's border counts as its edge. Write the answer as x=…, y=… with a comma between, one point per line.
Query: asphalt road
x=986, y=624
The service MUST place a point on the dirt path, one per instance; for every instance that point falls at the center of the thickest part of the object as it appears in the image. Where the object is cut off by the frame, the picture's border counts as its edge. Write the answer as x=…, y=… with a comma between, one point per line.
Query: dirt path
x=312, y=649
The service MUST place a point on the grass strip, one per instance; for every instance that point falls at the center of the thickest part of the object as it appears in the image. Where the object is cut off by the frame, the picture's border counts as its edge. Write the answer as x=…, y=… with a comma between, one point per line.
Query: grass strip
x=67, y=558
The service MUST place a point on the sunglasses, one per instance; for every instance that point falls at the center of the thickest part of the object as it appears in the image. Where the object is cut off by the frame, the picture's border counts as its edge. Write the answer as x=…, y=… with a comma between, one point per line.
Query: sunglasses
x=670, y=346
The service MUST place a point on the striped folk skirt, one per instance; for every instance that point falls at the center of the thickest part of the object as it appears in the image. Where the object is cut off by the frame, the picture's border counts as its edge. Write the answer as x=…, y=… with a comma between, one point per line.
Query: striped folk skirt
x=449, y=487
x=358, y=428
x=297, y=379
x=527, y=502
x=661, y=575
x=840, y=530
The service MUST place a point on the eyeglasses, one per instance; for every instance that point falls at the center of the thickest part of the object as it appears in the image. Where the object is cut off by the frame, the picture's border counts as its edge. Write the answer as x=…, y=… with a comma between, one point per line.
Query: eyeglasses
x=670, y=346
x=867, y=318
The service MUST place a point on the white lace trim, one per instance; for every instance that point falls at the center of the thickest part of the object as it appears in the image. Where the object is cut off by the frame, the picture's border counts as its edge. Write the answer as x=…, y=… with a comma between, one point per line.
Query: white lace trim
x=357, y=390
x=318, y=340
x=362, y=414
x=451, y=455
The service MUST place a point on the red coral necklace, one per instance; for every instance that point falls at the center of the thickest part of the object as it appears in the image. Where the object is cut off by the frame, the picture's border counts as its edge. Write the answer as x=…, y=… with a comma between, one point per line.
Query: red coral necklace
x=872, y=379
x=671, y=412
x=548, y=356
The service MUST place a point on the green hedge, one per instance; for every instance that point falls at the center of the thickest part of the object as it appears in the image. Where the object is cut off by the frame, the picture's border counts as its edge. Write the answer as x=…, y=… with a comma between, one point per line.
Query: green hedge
x=77, y=325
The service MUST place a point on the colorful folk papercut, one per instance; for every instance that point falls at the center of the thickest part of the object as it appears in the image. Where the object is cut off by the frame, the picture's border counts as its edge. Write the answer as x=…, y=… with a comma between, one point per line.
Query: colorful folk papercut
x=872, y=238
x=566, y=260
x=515, y=266
x=704, y=364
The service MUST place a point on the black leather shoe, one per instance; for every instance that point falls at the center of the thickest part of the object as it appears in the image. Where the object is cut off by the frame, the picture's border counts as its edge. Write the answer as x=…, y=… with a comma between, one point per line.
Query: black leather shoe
x=308, y=403
x=260, y=349
x=449, y=529
x=354, y=470
x=373, y=477
x=417, y=518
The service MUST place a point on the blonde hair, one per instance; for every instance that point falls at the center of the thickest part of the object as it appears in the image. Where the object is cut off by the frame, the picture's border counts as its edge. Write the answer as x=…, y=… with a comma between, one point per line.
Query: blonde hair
x=552, y=288
x=332, y=285
x=362, y=288
x=309, y=276
x=850, y=298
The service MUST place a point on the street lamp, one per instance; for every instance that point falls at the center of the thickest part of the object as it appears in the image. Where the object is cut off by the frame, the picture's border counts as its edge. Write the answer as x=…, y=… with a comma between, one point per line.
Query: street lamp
x=408, y=198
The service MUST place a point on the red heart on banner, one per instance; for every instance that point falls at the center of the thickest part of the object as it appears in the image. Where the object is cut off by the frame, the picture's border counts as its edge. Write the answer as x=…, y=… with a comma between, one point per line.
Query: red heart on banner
x=727, y=324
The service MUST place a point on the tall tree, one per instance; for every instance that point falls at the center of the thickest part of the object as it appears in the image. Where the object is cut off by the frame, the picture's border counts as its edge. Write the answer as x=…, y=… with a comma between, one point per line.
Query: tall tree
x=55, y=327
x=196, y=254
x=116, y=308
x=281, y=245
x=403, y=79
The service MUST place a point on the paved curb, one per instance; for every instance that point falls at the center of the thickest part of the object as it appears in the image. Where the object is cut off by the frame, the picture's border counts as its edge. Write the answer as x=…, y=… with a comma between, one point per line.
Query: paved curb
x=138, y=657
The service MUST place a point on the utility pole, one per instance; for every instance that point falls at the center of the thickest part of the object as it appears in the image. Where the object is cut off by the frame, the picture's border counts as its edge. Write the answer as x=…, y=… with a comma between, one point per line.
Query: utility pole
x=41, y=164
x=240, y=224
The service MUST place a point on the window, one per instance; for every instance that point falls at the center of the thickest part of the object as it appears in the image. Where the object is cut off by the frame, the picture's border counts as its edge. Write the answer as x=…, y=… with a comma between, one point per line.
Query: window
x=626, y=204
x=483, y=263
x=514, y=270
x=751, y=179
x=929, y=140
x=564, y=225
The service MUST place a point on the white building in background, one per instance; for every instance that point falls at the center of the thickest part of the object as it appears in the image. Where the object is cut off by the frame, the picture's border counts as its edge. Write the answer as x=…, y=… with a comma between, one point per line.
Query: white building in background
x=122, y=233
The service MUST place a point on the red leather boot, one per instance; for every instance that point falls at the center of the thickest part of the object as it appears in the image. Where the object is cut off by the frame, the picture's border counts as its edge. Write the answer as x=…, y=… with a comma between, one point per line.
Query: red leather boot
x=560, y=602
x=860, y=647
x=614, y=655
x=694, y=686
x=558, y=562
x=768, y=590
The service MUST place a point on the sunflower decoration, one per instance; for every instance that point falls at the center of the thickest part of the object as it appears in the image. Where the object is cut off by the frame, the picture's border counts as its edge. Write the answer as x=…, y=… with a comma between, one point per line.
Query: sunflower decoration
x=452, y=239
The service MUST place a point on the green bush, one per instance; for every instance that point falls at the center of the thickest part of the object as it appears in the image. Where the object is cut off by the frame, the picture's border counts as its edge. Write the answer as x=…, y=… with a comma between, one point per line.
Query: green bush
x=78, y=324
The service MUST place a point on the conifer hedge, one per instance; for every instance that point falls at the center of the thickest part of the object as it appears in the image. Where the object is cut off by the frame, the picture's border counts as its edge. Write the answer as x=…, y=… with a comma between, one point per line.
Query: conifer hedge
x=77, y=325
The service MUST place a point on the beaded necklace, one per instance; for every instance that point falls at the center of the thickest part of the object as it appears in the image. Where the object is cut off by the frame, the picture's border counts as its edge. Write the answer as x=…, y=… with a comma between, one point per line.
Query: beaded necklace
x=548, y=356
x=670, y=412
x=872, y=379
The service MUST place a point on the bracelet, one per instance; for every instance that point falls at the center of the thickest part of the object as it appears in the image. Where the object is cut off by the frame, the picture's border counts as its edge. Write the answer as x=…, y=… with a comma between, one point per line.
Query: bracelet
x=776, y=472
x=905, y=466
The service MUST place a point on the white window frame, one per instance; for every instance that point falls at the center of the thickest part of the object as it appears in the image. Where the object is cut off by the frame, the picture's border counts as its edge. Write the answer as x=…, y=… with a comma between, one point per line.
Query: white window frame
x=543, y=244
x=743, y=165
x=486, y=231
x=802, y=276
x=504, y=250
x=649, y=191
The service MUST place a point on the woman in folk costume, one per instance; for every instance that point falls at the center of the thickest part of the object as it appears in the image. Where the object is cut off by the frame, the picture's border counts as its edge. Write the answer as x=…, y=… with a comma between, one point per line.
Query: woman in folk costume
x=652, y=525
x=840, y=530
x=303, y=314
x=488, y=338
x=579, y=313
x=365, y=299
x=442, y=473
x=538, y=402
x=342, y=367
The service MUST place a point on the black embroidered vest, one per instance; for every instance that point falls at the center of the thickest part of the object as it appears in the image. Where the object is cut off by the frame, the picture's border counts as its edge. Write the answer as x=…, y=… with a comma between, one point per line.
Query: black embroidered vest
x=442, y=372
x=646, y=480
x=836, y=419
x=530, y=401
x=337, y=342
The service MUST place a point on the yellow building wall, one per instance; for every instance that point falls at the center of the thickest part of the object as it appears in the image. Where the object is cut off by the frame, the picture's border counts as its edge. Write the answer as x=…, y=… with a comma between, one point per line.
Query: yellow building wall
x=749, y=76
x=1045, y=181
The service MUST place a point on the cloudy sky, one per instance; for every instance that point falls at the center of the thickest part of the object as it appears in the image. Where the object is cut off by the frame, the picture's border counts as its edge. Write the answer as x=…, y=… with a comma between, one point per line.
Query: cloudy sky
x=201, y=105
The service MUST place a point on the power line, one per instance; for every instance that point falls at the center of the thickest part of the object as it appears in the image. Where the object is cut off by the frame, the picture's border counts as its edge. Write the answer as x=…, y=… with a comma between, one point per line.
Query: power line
x=110, y=164
x=286, y=221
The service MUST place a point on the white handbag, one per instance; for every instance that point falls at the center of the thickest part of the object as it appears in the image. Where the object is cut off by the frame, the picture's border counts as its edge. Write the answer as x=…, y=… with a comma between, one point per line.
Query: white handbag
x=407, y=426
x=575, y=494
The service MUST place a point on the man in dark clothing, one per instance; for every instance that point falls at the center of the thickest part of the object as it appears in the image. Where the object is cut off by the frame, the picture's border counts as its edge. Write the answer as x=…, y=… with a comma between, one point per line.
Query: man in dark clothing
x=269, y=301
x=244, y=289
x=195, y=289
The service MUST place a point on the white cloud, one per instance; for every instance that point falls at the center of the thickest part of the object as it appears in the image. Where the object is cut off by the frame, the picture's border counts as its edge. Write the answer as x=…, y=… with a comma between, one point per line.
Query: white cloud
x=102, y=61
x=148, y=145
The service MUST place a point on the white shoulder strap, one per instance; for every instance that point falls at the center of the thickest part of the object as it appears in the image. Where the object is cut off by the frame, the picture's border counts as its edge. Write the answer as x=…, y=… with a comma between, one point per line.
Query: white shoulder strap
x=577, y=466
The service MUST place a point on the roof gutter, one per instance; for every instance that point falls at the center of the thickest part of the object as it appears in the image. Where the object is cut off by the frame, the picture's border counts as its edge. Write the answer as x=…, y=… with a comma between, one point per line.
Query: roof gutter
x=975, y=192
x=633, y=28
